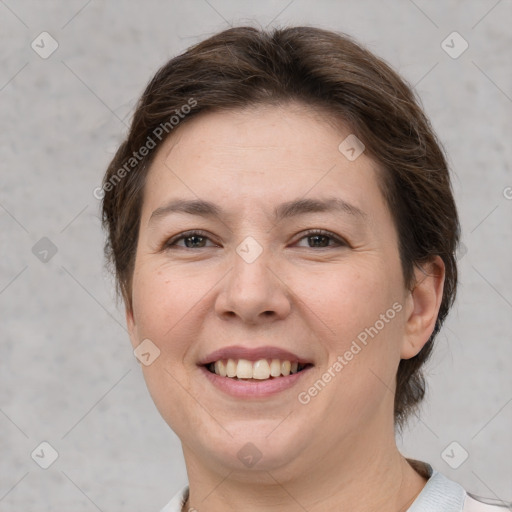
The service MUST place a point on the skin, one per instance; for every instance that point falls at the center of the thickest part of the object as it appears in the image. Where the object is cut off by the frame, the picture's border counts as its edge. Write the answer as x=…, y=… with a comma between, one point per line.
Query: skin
x=337, y=452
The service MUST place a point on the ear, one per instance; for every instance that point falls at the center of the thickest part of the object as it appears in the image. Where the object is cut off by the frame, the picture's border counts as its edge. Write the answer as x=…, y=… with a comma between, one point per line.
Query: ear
x=422, y=306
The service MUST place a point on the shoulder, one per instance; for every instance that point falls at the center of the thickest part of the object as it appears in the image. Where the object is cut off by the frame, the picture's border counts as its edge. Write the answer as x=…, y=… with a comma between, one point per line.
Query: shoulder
x=475, y=503
x=442, y=494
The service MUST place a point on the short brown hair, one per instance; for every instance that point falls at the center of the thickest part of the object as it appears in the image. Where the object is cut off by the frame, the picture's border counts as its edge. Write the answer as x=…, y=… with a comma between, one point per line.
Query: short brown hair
x=244, y=66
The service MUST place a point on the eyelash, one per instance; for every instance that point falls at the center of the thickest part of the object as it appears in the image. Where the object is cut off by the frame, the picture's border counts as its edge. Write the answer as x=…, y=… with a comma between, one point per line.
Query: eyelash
x=169, y=244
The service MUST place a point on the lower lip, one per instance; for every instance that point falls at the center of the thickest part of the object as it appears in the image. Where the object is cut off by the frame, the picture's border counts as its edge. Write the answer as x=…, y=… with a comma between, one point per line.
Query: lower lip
x=254, y=389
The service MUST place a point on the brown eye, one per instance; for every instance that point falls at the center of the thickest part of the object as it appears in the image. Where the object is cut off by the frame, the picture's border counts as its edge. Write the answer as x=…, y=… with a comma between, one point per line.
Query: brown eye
x=191, y=240
x=322, y=239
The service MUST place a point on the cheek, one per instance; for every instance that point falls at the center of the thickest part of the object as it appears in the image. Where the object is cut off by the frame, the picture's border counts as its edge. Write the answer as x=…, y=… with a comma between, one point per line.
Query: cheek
x=353, y=299
x=161, y=299
x=164, y=302
x=364, y=312
x=363, y=353
x=370, y=324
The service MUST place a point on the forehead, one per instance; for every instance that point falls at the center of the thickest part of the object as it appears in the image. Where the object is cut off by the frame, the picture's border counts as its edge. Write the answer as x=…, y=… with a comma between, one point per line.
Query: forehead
x=293, y=130
x=264, y=154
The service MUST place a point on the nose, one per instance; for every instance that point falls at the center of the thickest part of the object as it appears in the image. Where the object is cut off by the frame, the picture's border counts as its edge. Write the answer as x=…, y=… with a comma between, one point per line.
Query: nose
x=253, y=292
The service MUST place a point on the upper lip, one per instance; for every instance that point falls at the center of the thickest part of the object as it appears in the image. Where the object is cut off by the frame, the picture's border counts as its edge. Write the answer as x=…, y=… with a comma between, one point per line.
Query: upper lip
x=252, y=354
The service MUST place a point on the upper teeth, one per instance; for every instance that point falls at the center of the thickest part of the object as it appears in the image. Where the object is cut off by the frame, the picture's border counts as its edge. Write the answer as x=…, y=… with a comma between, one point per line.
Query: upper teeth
x=261, y=369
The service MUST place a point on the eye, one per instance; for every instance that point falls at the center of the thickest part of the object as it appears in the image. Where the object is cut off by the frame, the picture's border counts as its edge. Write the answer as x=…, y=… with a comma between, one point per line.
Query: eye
x=320, y=239
x=197, y=239
x=192, y=240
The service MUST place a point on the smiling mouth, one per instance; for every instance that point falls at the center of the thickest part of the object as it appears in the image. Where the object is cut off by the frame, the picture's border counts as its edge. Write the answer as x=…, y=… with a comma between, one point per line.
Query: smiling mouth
x=262, y=369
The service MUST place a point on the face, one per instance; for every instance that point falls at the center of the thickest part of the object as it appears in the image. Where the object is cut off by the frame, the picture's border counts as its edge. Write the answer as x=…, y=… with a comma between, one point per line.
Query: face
x=295, y=257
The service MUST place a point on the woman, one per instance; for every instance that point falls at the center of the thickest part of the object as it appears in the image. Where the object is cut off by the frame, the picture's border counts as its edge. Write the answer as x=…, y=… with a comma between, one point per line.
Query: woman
x=283, y=232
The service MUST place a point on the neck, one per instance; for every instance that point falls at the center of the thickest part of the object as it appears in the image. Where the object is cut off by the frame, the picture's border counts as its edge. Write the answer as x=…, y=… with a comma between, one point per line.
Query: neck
x=347, y=480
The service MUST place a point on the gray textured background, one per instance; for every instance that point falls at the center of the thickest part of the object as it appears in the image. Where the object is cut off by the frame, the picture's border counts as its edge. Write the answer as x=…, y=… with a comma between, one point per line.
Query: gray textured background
x=67, y=372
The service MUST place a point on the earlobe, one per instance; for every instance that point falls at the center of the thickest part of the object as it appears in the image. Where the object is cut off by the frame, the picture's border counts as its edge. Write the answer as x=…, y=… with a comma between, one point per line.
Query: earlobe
x=424, y=301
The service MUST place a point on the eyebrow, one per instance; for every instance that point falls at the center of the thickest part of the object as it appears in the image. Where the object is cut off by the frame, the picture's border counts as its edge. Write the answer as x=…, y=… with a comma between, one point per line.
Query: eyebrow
x=203, y=208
